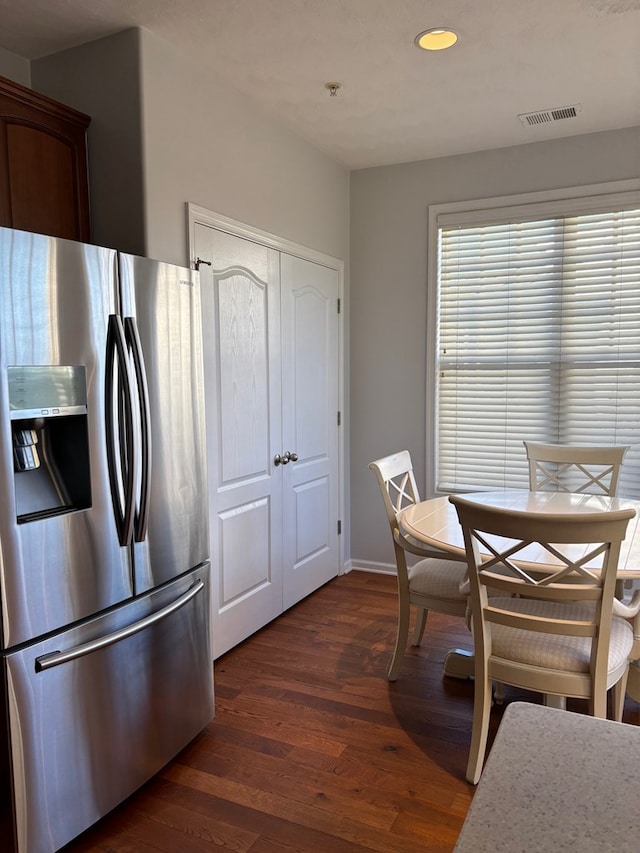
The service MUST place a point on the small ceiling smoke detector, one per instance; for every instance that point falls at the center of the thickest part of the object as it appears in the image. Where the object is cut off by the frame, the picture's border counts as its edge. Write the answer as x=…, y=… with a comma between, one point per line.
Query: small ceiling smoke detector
x=333, y=88
x=544, y=116
x=437, y=38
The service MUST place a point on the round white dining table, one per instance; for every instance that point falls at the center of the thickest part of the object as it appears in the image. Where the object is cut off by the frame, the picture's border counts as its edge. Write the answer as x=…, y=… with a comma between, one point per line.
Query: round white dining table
x=434, y=523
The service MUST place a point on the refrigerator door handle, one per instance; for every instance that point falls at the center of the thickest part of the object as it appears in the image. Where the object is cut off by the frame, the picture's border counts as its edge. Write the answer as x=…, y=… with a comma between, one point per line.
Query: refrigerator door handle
x=124, y=472
x=133, y=342
x=56, y=658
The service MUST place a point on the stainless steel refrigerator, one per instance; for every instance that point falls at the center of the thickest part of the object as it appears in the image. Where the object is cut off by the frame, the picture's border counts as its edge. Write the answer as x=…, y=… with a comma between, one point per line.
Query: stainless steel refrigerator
x=104, y=573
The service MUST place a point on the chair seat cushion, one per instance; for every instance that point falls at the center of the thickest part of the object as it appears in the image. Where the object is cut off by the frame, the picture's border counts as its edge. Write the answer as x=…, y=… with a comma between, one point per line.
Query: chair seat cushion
x=438, y=578
x=554, y=651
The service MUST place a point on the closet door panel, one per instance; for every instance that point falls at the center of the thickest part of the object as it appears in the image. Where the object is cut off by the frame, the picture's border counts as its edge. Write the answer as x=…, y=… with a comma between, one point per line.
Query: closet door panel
x=310, y=363
x=243, y=357
x=241, y=328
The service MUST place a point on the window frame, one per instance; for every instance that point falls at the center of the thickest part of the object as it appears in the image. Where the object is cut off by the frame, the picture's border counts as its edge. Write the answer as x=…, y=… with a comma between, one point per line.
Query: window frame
x=539, y=204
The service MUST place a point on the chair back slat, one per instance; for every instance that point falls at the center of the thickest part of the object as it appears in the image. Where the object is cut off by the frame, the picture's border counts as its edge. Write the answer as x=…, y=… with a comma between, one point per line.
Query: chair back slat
x=537, y=587
x=562, y=627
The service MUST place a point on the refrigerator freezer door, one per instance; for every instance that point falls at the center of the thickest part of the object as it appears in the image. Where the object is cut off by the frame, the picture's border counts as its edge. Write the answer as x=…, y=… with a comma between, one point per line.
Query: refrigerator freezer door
x=161, y=310
x=62, y=566
x=97, y=710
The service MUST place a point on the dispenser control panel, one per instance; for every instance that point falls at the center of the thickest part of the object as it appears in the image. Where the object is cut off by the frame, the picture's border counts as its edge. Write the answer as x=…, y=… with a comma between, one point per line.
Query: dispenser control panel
x=44, y=392
x=49, y=428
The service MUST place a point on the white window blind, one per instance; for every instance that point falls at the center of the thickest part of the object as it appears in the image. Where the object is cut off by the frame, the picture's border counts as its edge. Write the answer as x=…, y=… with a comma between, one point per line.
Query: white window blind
x=539, y=339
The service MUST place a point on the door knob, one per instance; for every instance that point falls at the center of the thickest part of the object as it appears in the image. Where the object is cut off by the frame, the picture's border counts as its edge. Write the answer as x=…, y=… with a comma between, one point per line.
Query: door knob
x=285, y=458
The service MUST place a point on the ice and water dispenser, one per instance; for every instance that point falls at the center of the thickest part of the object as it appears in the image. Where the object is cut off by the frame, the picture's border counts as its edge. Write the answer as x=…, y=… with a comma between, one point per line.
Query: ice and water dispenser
x=48, y=410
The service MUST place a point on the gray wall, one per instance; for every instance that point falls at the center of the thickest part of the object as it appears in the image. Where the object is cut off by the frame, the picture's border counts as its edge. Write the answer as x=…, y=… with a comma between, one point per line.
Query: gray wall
x=102, y=79
x=207, y=144
x=164, y=133
x=15, y=67
x=389, y=207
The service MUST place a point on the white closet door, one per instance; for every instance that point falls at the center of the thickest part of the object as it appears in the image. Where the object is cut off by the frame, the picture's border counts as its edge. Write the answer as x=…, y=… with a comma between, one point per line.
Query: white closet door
x=310, y=401
x=241, y=331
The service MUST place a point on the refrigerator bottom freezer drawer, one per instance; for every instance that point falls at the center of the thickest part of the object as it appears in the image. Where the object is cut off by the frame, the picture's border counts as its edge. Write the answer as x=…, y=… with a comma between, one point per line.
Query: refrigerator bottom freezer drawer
x=96, y=710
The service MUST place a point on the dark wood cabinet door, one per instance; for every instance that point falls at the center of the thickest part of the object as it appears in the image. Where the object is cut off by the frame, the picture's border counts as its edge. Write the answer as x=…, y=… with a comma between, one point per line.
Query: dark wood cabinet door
x=43, y=164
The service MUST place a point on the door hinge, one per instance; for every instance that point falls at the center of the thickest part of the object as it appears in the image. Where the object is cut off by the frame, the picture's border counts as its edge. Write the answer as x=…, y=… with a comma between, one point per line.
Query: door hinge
x=339, y=528
x=339, y=305
x=339, y=419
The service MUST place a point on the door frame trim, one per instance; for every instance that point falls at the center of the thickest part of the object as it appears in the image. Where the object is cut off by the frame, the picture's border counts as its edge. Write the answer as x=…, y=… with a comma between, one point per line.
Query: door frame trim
x=197, y=215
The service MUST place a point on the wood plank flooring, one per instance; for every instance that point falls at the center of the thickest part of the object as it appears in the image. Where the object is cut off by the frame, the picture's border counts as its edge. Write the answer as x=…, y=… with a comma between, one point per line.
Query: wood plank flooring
x=311, y=749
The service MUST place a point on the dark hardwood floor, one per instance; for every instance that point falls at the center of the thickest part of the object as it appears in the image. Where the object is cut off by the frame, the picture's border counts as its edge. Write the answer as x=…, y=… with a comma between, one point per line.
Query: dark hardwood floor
x=311, y=749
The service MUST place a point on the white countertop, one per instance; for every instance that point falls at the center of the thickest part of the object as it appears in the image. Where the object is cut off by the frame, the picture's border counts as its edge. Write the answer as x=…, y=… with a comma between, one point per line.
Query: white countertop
x=556, y=781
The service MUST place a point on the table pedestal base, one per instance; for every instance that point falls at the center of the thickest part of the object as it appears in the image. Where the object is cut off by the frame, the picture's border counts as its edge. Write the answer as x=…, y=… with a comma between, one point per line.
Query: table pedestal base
x=458, y=663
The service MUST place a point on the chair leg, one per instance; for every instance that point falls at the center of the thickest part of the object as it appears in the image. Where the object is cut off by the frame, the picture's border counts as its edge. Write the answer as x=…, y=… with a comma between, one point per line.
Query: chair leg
x=553, y=701
x=480, y=728
x=421, y=624
x=619, y=694
x=401, y=639
x=598, y=705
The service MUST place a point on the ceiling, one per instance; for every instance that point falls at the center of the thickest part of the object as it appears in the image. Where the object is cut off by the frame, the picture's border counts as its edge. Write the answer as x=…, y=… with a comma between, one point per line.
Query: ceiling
x=396, y=103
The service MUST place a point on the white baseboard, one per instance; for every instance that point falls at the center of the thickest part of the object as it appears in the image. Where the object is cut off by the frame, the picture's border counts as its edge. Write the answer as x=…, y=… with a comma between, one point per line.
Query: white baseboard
x=371, y=566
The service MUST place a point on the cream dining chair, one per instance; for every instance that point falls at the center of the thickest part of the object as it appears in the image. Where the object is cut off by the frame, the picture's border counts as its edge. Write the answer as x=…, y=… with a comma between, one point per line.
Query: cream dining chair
x=548, y=634
x=584, y=468
x=574, y=467
x=432, y=583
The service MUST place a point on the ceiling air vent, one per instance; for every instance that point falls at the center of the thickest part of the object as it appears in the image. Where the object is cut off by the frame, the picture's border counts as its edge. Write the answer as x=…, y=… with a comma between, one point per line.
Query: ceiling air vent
x=544, y=116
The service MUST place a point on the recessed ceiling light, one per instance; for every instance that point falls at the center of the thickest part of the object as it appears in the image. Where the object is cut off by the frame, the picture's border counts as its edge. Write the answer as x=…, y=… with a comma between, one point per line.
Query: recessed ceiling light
x=437, y=38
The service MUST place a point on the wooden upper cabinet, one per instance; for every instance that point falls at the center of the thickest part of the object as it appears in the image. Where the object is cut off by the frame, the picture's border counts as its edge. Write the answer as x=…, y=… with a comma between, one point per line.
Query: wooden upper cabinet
x=43, y=164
